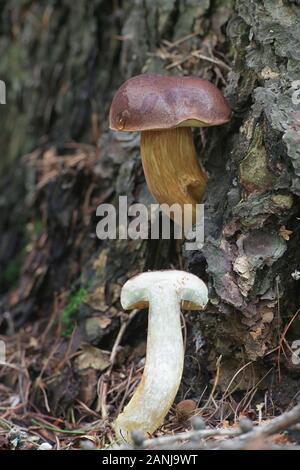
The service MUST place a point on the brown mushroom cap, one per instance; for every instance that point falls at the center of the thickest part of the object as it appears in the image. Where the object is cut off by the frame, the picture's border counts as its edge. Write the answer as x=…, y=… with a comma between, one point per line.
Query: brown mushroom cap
x=148, y=102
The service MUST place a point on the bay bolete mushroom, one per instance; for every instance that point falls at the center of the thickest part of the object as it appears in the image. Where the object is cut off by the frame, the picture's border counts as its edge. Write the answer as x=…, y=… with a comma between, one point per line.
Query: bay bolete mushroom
x=164, y=109
x=165, y=293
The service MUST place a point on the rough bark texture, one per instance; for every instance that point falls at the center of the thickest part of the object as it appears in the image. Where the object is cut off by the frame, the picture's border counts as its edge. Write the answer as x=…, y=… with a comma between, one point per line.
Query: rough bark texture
x=252, y=225
x=62, y=63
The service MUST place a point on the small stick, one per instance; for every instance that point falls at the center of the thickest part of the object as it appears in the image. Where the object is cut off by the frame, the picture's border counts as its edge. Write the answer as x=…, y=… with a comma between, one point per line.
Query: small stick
x=104, y=379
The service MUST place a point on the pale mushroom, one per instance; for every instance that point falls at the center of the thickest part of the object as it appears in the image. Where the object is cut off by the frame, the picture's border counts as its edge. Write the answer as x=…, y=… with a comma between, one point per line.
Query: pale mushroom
x=165, y=293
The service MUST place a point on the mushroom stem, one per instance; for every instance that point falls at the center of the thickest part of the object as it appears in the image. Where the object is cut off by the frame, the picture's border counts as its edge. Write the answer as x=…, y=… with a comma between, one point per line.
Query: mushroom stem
x=165, y=292
x=171, y=168
x=163, y=368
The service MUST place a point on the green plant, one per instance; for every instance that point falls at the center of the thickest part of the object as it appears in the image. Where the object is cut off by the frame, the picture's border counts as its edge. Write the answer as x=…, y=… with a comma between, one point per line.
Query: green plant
x=76, y=299
x=10, y=276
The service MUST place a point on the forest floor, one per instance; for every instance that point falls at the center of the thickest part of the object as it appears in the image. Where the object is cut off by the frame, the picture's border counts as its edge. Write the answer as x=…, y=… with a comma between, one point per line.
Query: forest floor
x=59, y=390
x=39, y=377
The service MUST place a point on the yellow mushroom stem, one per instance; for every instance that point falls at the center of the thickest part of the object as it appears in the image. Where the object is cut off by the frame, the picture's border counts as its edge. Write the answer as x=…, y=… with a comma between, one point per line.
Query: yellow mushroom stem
x=172, y=171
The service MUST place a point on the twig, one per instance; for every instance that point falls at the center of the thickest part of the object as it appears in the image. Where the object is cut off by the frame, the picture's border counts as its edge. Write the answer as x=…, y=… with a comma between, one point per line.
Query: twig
x=216, y=381
x=200, y=434
x=242, y=437
x=104, y=379
x=260, y=433
x=218, y=62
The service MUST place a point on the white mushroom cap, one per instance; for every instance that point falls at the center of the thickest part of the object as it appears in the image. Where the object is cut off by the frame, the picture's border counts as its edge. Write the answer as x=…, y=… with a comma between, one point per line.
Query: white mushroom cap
x=191, y=290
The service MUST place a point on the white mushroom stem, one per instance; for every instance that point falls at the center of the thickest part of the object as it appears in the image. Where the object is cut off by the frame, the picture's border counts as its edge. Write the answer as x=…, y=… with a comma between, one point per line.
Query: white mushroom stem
x=163, y=369
x=164, y=292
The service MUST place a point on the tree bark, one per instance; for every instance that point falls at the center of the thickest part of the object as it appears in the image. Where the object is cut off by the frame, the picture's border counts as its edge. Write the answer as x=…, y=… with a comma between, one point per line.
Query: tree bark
x=62, y=64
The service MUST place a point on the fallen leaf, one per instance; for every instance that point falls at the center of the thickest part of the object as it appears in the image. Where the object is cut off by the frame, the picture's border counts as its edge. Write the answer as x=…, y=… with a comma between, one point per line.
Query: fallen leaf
x=256, y=334
x=285, y=233
x=93, y=358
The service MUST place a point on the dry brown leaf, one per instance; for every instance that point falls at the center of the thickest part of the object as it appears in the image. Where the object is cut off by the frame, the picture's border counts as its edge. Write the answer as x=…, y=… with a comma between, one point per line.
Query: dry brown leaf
x=93, y=358
x=256, y=334
x=285, y=233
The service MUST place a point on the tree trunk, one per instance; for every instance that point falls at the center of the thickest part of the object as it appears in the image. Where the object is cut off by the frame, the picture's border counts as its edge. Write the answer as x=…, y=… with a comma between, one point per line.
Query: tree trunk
x=62, y=64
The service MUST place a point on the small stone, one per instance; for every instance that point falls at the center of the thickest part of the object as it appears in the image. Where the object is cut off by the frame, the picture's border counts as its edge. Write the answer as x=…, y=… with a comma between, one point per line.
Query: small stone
x=86, y=444
x=137, y=438
x=198, y=423
x=45, y=446
x=246, y=425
